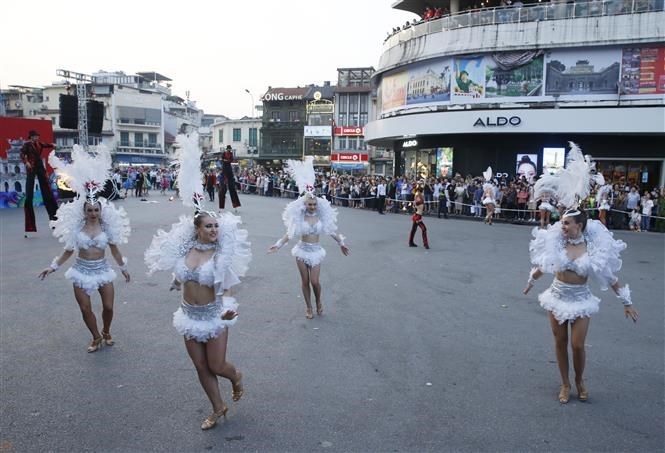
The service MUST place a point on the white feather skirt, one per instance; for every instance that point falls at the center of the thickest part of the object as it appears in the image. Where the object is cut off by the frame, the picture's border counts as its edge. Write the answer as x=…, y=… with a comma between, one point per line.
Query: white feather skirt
x=568, y=302
x=203, y=322
x=545, y=206
x=310, y=254
x=89, y=275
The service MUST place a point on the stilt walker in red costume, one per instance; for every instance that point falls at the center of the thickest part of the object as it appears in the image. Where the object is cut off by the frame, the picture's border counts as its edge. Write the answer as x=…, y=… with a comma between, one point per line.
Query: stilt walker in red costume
x=417, y=219
x=228, y=180
x=31, y=155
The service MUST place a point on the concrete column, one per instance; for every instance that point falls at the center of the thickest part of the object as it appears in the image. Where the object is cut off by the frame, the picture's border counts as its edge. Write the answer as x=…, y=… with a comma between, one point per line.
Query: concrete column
x=454, y=6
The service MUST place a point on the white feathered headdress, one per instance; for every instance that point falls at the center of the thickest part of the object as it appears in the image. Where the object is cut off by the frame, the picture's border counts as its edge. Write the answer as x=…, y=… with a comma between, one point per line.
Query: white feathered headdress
x=190, y=179
x=87, y=172
x=303, y=172
x=86, y=175
x=573, y=183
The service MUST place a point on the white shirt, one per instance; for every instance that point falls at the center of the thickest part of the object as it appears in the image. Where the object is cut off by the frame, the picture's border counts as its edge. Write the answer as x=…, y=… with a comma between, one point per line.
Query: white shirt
x=381, y=190
x=647, y=206
x=437, y=189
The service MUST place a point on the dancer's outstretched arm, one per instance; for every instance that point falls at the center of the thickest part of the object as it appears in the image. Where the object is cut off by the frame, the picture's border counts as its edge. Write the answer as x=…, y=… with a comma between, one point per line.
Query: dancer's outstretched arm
x=279, y=244
x=56, y=263
x=340, y=241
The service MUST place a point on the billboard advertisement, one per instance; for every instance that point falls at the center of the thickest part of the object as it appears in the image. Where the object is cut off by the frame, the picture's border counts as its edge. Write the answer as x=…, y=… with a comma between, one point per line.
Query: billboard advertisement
x=521, y=81
x=572, y=74
x=429, y=82
x=643, y=70
x=13, y=133
x=393, y=90
x=527, y=166
x=469, y=79
x=444, y=162
x=582, y=72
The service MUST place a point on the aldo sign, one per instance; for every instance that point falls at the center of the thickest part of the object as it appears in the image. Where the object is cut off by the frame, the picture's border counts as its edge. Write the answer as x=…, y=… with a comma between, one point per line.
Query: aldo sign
x=498, y=121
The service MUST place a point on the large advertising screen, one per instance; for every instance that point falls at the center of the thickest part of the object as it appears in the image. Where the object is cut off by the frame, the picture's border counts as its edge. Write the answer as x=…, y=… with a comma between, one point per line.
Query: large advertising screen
x=444, y=162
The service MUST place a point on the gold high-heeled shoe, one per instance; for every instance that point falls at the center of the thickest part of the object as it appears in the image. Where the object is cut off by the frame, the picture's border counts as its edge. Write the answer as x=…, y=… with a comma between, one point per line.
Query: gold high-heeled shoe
x=582, y=392
x=211, y=420
x=564, y=394
x=238, y=388
x=108, y=340
x=95, y=345
x=308, y=313
x=319, y=308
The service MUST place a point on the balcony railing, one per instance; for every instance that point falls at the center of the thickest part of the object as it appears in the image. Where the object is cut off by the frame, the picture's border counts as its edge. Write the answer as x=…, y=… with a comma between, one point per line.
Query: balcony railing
x=139, y=145
x=526, y=13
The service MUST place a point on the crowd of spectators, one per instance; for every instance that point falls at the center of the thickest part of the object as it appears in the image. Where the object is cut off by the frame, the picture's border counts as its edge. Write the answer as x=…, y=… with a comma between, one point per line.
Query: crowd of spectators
x=507, y=11
x=632, y=207
x=460, y=197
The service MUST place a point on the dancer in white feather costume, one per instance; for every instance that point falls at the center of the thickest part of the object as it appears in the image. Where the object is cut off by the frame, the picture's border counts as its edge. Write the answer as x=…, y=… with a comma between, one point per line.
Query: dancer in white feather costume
x=574, y=249
x=208, y=254
x=308, y=217
x=87, y=225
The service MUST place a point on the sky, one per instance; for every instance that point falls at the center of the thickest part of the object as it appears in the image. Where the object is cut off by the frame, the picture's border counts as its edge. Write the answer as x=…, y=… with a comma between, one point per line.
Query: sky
x=215, y=49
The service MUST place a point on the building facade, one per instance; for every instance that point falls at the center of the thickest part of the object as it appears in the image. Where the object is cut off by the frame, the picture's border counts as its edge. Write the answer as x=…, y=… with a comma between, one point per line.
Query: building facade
x=243, y=135
x=491, y=86
x=353, y=102
x=282, y=125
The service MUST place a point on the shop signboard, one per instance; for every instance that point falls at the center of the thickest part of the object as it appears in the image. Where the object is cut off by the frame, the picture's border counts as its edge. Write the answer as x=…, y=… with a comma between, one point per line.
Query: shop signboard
x=350, y=131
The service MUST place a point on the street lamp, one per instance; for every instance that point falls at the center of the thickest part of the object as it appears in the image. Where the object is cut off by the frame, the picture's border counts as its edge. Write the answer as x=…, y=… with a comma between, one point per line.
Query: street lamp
x=252, y=98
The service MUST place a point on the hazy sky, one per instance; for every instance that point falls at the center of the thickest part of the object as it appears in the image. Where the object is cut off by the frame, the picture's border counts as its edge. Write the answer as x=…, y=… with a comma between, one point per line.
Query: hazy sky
x=215, y=48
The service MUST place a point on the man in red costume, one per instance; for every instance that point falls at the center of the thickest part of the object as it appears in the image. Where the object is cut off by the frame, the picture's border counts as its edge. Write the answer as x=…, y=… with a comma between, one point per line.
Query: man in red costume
x=228, y=180
x=31, y=155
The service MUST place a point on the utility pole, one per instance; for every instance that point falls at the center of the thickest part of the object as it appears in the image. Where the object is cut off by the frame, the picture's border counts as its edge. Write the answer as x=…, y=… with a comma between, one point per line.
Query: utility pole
x=82, y=95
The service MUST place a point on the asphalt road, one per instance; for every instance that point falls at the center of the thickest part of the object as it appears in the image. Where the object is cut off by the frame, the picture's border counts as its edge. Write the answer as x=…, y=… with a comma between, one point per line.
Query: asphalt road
x=417, y=351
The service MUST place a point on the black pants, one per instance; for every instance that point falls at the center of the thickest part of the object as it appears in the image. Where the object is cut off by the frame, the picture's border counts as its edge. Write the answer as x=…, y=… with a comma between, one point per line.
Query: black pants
x=211, y=193
x=231, y=187
x=381, y=203
x=49, y=202
x=138, y=192
x=442, y=208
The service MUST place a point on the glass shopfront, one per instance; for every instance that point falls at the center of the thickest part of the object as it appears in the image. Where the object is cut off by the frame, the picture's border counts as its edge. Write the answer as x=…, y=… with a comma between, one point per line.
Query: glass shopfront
x=638, y=172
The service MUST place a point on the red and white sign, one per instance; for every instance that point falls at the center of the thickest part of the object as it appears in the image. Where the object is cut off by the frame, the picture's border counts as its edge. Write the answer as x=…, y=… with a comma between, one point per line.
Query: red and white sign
x=349, y=130
x=349, y=157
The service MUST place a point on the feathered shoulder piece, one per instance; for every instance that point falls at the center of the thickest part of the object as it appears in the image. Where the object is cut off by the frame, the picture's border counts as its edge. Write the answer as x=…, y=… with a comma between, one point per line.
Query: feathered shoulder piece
x=302, y=171
x=232, y=260
x=86, y=175
x=167, y=247
x=294, y=216
x=571, y=184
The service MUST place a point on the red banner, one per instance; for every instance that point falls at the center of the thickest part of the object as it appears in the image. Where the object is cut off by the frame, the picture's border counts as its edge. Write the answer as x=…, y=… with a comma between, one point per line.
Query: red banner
x=349, y=157
x=349, y=130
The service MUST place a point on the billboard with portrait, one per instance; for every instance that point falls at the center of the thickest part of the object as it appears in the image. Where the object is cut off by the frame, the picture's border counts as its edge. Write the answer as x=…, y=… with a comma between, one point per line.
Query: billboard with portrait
x=527, y=166
x=468, y=81
x=429, y=82
x=643, y=70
